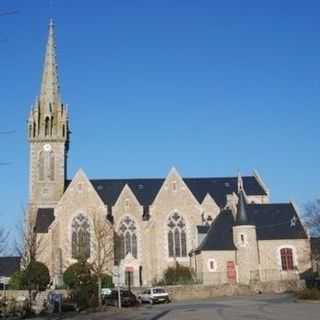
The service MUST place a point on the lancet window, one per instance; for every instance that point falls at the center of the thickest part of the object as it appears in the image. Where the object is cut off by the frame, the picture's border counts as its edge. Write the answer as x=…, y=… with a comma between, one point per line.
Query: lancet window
x=80, y=237
x=177, y=238
x=128, y=238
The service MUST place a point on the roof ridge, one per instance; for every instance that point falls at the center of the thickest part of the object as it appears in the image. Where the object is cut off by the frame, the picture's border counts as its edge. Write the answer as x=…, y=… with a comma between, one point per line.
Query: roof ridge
x=163, y=178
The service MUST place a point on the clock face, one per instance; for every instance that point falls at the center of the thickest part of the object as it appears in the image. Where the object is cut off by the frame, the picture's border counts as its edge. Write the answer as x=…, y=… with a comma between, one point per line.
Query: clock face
x=47, y=147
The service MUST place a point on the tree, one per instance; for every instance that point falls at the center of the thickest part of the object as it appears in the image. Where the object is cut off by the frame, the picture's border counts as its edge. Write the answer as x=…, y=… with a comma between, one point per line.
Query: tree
x=3, y=240
x=36, y=276
x=28, y=244
x=312, y=217
x=102, y=250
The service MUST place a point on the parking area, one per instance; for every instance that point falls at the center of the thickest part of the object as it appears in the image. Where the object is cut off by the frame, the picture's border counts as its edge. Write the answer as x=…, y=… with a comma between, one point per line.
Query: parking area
x=262, y=307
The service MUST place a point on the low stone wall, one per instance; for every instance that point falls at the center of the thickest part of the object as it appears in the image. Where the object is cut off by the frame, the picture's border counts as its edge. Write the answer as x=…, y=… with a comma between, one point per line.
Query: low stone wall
x=198, y=291
x=190, y=292
x=14, y=293
x=25, y=293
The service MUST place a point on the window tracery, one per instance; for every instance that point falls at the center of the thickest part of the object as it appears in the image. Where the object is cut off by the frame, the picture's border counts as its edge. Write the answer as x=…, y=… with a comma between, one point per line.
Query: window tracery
x=128, y=238
x=177, y=238
x=80, y=237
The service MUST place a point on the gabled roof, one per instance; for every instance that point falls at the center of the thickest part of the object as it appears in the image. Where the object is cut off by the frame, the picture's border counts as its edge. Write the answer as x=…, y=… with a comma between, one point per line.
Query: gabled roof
x=146, y=190
x=45, y=217
x=9, y=265
x=219, y=236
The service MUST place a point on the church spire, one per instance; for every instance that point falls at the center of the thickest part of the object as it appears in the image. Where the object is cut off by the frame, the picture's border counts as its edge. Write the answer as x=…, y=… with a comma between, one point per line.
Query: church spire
x=49, y=95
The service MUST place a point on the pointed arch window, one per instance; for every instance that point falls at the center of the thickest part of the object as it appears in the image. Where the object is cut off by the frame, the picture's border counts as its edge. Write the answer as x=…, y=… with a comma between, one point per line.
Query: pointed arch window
x=51, y=162
x=34, y=129
x=46, y=168
x=177, y=238
x=80, y=237
x=41, y=166
x=46, y=126
x=128, y=238
x=51, y=126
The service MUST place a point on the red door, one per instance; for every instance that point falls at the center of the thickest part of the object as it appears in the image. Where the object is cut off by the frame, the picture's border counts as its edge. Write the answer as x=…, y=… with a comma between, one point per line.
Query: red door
x=231, y=272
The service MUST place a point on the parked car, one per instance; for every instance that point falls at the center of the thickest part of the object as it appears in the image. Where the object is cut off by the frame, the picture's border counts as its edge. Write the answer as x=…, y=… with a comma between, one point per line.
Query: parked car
x=154, y=295
x=128, y=299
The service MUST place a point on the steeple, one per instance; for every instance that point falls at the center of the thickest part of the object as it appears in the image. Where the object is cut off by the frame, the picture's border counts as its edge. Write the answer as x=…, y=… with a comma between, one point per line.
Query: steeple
x=48, y=119
x=48, y=133
x=49, y=95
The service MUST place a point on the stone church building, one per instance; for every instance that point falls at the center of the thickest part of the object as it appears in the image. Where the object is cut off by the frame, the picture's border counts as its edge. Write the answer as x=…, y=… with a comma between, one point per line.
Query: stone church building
x=225, y=228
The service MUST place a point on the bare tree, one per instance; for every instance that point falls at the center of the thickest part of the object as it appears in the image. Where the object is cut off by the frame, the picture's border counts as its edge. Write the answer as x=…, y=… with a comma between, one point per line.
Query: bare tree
x=312, y=217
x=3, y=241
x=102, y=250
x=28, y=243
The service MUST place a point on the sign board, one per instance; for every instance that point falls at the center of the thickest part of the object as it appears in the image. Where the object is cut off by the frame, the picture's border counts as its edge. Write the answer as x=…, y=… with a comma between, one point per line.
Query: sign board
x=4, y=280
x=129, y=269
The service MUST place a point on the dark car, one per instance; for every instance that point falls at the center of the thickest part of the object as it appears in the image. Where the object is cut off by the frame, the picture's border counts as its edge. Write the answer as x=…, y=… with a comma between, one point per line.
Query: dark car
x=128, y=299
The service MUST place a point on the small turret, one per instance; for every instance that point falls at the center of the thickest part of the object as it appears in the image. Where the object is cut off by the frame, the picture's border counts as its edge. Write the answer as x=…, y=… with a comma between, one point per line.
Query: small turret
x=245, y=240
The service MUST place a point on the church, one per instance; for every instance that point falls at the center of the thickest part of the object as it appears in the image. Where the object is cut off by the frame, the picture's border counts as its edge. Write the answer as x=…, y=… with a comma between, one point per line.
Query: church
x=225, y=228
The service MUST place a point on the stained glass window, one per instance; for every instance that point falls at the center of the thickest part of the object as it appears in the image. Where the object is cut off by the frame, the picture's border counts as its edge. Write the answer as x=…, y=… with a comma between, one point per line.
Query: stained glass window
x=80, y=237
x=128, y=238
x=177, y=239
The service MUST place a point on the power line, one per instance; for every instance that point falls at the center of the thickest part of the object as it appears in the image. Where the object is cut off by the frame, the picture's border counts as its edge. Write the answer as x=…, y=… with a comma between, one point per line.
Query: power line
x=8, y=13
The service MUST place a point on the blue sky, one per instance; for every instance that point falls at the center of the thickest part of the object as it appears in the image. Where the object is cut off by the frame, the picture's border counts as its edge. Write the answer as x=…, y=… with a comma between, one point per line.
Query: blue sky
x=210, y=88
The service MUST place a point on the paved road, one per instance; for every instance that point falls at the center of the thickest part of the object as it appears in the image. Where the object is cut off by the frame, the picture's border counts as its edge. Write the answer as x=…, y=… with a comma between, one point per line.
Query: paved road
x=263, y=307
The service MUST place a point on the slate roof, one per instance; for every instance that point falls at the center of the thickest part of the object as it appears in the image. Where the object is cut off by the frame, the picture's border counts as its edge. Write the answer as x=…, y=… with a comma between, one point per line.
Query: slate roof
x=146, y=190
x=9, y=265
x=276, y=221
x=273, y=221
x=45, y=217
x=219, y=236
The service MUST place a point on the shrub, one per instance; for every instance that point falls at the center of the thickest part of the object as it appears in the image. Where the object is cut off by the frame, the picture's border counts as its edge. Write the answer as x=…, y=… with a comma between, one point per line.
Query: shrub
x=309, y=294
x=79, y=279
x=17, y=281
x=36, y=276
x=77, y=274
x=177, y=275
x=107, y=281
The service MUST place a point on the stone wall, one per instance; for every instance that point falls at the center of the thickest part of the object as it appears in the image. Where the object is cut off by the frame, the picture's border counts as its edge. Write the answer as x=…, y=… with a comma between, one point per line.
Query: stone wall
x=190, y=292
